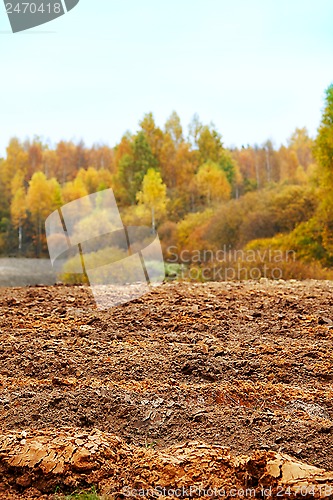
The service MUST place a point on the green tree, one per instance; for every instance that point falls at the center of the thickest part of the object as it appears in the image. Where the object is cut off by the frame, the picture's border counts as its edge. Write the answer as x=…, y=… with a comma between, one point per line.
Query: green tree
x=210, y=145
x=133, y=168
x=229, y=166
x=324, y=155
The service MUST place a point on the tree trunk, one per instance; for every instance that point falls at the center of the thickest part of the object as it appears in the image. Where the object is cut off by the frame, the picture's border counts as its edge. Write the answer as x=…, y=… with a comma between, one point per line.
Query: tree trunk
x=268, y=164
x=257, y=169
x=153, y=225
x=20, y=238
x=39, y=236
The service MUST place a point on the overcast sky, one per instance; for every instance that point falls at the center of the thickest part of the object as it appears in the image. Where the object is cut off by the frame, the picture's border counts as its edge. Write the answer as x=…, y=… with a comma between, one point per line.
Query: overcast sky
x=257, y=69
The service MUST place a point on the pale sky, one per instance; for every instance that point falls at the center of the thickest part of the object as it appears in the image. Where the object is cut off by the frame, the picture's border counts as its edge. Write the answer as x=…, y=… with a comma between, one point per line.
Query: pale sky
x=257, y=69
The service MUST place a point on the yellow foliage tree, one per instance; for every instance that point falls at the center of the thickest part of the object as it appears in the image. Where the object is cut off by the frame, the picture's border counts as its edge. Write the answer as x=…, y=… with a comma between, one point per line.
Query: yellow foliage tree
x=153, y=195
x=74, y=190
x=43, y=197
x=191, y=229
x=212, y=183
x=94, y=180
x=17, y=161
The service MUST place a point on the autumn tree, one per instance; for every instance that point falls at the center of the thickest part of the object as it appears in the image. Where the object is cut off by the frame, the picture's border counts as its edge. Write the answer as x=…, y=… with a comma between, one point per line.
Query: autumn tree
x=133, y=167
x=248, y=166
x=210, y=148
x=43, y=197
x=212, y=183
x=100, y=157
x=302, y=145
x=190, y=231
x=18, y=207
x=17, y=160
x=178, y=164
x=271, y=162
x=210, y=145
x=74, y=190
x=80, y=156
x=168, y=165
x=123, y=148
x=194, y=129
x=152, y=133
x=50, y=165
x=35, y=150
x=94, y=180
x=288, y=164
x=207, y=141
x=67, y=161
x=195, y=174
x=174, y=128
x=153, y=196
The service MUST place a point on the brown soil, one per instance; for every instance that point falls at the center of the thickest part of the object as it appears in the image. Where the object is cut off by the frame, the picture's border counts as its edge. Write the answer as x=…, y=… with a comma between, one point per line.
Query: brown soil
x=248, y=366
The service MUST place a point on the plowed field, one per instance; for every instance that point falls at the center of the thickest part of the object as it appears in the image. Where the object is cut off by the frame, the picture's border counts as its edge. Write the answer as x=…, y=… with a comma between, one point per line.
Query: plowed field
x=166, y=390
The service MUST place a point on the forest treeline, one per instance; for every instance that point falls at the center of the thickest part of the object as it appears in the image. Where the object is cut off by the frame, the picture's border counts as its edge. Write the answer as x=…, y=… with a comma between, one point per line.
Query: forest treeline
x=198, y=194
